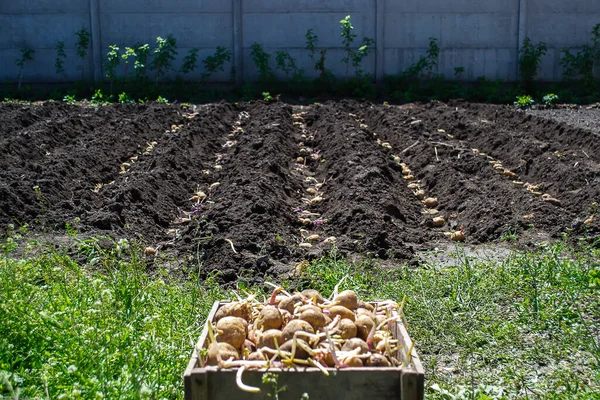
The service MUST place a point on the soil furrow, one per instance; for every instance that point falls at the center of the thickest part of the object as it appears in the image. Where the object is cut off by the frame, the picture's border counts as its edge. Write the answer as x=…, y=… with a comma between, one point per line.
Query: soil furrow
x=471, y=193
x=368, y=206
x=63, y=150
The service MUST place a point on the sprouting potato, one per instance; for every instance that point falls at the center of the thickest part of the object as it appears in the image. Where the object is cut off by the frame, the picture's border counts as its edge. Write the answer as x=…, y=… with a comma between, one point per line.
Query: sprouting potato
x=413, y=186
x=313, y=238
x=231, y=330
x=353, y=361
x=225, y=351
x=420, y=194
x=347, y=329
x=315, y=318
x=364, y=305
x=300, y=352
x=430, y=202
x=347, y=299
x=378, y=360
x=364, y=323
x=549, y=199
x=343, y=312
x=409, y=178
x=268, y=339
x=296, y=325
x=510, y=174
x=356, y=343
x=300, y=160
x=313, y=294
x=330, y=239
x=288, y=303
x=312, y=191
x=270, y=318
x=305, y=245
x=438, y=221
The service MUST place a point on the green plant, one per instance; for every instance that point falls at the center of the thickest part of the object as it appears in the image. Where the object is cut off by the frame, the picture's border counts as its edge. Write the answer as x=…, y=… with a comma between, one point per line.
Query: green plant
x=127, y=54
x=267, y=97
x=529, y=61
x=164, y=54
x=426, y=63
x=125, y=99
x=26, y=55
x=261, y=61
x=216, y=62
x=162, y=100
x=458, y=72
x=189, y=62
x=273, y=380
x=81, y=48
x=69, y=99
x=582, y=64
x=524, y=101
x=550, y=99
x=311, y=42
x=286, y=63
x=141, y=60
x=60, y=58
x=362, y=52
x=98, y=97
x=112, y=62
x=347, y=40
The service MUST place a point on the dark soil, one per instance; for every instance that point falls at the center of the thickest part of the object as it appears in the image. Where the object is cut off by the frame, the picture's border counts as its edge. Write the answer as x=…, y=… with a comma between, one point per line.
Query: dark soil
x=279, y=184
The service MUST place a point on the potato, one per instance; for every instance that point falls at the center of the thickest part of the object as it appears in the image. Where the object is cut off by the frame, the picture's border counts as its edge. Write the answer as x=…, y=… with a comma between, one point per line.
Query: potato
x=362, y=304
x=268, y=338
x=296, y=325
x=327, y=358
x=315, y=318
x=288, y=303
x=231, y=330
x=347, y=299
x=353, y=361
x=300, y=352
x=254, y=356
x=430, y=202
x=343, y=312
x=221, y=312
x=346, y=329
x=313, y=294
x=308, y=307
x=269, y=318
x=240, y=309
x=356, y=343
x=364, y=323
x=378, y=360
x=364, y=311
x=224, y=350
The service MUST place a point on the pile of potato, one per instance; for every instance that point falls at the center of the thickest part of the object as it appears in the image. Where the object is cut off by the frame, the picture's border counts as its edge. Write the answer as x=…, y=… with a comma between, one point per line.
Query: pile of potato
x=303, y=329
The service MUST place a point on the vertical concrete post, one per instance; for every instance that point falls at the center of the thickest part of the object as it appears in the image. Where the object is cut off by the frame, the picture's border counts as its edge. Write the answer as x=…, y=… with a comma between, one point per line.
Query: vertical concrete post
x=238, y=45
x=96, y=55
x=522, y=31
x=380, y=32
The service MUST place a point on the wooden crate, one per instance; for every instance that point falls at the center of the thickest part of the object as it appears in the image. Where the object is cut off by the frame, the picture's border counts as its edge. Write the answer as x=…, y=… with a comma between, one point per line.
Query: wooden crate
x=348, y=383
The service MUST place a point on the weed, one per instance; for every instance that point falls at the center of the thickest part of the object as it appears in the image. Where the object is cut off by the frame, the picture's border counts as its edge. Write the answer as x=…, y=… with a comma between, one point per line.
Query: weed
x=81, y=48
x=60, y=58
x=311, y=43
x=127, y=54
x=524, y=101
x=216, y=62
x=98, y=98
x=529, y=61
x=261, y=61
x=164, y=54
x=426, y=63
x=26, y=55
x=162, y=100
x=70, y=99
x=267, y=97
x=582, y=64
x=273, y=380
x=550, y=99
x=189, y=62
x=353, y=57
x=40, y=198
x=125, y=99
x=286, y=63
x=112, y=62
x=458, y=72
x=141, y=61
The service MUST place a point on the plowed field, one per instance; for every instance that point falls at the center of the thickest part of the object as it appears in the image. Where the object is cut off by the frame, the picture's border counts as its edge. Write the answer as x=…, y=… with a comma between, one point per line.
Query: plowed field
x=255, y=188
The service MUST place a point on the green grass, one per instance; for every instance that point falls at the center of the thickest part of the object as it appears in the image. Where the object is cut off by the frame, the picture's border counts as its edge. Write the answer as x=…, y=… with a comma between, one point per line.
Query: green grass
x=527, y=327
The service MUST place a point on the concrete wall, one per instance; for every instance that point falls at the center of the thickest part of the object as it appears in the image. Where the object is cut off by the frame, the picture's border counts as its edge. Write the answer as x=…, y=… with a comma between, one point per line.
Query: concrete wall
x=482, y=36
